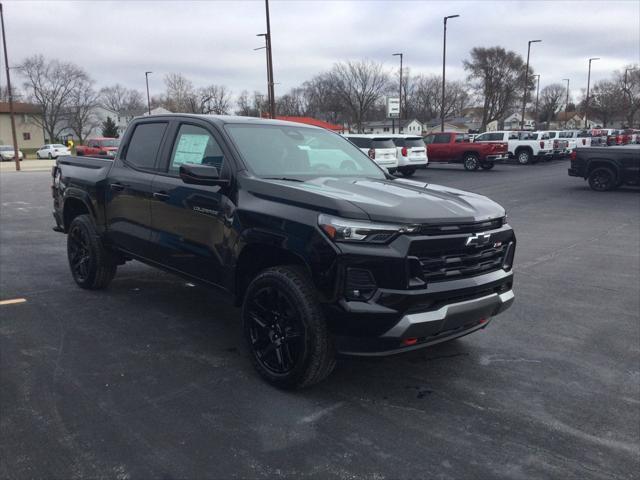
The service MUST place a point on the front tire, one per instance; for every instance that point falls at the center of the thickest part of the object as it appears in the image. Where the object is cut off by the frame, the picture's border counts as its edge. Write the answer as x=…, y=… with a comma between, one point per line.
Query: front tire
x=285, y=329
x=602, y=179
x=92, y=266
x=471, y=162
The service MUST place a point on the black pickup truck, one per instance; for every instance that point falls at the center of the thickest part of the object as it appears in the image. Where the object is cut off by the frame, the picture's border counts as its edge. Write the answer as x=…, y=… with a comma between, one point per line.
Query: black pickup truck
x=607, y=168
x=324, y=250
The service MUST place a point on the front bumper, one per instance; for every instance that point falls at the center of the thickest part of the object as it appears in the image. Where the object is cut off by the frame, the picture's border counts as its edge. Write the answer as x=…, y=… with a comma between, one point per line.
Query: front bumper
x=419, y=330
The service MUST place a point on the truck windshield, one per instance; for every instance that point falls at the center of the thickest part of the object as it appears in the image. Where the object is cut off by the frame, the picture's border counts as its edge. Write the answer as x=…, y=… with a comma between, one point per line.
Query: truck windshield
x=299, y=152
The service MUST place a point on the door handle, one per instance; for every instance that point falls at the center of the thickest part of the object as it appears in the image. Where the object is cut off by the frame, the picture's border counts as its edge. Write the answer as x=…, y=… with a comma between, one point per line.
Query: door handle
x=161, y=196
x=117, y=187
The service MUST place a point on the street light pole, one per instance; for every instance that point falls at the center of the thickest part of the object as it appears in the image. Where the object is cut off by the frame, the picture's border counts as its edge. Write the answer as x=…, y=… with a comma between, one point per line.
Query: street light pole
x=566, y=104
x=272, y=101
x=526, y=82
x=146, y=76
x=444, y=56
x=400, y=91
x=586, y=106
x=16, y=154
x=537, y=97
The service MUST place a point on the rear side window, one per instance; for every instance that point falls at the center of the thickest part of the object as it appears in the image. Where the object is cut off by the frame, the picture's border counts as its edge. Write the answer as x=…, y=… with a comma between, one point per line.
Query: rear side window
x=144, y=145
x=441, y=138
x=382, y=143
x=360, y=142
x=414, y=142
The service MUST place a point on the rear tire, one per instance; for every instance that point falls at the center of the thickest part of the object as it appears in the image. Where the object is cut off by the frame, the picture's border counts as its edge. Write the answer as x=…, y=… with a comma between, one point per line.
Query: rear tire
x=488, y=166
x=471, y=162
x=523, y=157
x=49, y=156
x=290, y=345
x=602, y=179
x=92, y=265
x=407, y=172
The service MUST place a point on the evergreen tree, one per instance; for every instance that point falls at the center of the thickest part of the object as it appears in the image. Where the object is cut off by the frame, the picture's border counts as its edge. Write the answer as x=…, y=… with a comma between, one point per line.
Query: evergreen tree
x=109, y=128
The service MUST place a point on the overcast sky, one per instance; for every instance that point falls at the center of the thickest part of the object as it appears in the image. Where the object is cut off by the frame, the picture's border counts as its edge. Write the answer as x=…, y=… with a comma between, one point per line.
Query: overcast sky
x=213, y=41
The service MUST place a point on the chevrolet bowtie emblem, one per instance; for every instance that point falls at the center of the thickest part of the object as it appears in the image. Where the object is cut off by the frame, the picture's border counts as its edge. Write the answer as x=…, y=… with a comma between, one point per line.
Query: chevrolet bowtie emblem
x=478, y=240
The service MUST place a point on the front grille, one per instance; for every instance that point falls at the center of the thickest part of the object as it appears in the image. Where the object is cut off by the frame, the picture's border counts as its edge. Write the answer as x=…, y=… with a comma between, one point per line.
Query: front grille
x=448, y=265
x=444, y=229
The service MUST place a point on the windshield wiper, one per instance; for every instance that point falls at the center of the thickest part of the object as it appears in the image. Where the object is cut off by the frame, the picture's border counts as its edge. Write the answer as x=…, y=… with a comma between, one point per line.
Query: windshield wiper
x=288, y=179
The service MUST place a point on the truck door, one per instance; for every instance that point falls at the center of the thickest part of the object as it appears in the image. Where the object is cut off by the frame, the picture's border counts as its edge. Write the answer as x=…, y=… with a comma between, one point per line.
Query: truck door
x=128, y=206
x=438, y=146
x=190, y=221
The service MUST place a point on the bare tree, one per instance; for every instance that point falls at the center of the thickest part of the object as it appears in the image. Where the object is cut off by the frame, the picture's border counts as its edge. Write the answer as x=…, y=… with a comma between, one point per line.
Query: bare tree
x=293, y=103
x=322, y=99
x=80, y=111
x=359, y=86
x=124, y=102
x=552, y=100
x=244, y=104
x=214, y=99
x=425, y=98
x=180, y=94
x=606, y=102
x=51, y=85
x=497, y=76
x=630, y=86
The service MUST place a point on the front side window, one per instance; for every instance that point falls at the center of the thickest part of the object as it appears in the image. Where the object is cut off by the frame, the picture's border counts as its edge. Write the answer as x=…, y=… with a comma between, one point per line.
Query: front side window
x=300, y=152
x=197, y=146
x=461, y=138
x=145, y=144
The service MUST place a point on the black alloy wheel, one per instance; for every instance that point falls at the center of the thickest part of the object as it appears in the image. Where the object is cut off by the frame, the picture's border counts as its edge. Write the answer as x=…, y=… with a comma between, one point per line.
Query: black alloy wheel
x=275, y=331
x=285, y=329
x=602, y=179
x=92, y=265
x=79, y=252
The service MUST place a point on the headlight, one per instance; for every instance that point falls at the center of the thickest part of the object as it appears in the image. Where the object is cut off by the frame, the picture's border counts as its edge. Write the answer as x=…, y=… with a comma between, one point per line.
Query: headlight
x=347, y=230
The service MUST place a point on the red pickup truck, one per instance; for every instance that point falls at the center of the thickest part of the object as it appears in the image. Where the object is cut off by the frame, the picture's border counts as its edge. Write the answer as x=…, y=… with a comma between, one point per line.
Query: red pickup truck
x=451, y=147
x=99, y=147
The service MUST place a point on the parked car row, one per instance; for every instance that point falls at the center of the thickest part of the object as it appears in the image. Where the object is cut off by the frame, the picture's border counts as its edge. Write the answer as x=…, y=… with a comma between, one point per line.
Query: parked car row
x=395, y=152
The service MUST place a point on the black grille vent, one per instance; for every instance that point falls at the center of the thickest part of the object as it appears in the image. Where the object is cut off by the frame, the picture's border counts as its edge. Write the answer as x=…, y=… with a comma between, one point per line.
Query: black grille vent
x=462, y=227
x=448, y=265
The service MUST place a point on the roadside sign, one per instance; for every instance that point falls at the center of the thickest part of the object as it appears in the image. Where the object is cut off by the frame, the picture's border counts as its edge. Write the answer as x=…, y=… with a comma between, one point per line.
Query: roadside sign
x=393, y=107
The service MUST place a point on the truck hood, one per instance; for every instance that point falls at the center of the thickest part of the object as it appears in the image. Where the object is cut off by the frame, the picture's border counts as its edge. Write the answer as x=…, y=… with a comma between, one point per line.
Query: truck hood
x=395, y=201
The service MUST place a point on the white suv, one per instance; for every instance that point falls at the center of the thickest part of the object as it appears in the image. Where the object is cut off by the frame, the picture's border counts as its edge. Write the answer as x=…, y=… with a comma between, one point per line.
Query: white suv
x=380, y=149
x=411, y=153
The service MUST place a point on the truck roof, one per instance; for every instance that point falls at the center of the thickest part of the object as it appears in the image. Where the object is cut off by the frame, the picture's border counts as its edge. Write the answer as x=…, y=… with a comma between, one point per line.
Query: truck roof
x=229, y=119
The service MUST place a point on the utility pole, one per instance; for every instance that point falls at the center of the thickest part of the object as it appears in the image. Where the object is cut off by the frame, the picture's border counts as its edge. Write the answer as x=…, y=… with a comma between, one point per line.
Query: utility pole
x=586, y=106
x=272, y=100
x=526, y=82
x=399, y=98
x=269, y=80
x=566, y=104
x=537, y=97
x=444, y=56
x=146, y=76
x=16, y=155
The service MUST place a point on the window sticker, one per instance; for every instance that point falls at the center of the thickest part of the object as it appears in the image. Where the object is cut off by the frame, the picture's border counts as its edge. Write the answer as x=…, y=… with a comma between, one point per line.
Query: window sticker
x=190, y=149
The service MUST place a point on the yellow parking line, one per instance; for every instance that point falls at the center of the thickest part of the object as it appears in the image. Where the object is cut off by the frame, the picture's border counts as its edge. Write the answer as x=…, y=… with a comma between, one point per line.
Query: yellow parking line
x=13, y=301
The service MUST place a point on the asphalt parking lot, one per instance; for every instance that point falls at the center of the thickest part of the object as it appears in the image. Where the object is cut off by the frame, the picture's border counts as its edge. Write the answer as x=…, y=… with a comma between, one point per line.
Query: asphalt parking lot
x=150, y=379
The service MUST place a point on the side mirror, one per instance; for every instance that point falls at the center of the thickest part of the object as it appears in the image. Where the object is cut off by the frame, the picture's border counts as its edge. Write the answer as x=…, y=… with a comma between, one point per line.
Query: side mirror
x=201, y=175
